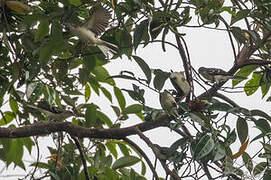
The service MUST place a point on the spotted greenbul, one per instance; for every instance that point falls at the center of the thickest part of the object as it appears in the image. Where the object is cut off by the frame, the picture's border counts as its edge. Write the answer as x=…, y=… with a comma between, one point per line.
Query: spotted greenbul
x=215, y=75
x=93, y=28
x=53, y=112
x=181, y=85
x=169, y=104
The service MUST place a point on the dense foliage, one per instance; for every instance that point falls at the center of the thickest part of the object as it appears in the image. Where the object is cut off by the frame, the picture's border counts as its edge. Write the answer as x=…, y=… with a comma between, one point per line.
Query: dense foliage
x=41, y=61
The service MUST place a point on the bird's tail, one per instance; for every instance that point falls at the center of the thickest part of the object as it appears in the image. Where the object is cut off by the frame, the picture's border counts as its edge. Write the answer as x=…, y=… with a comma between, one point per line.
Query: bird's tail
x=108, y=48
x=239, y=77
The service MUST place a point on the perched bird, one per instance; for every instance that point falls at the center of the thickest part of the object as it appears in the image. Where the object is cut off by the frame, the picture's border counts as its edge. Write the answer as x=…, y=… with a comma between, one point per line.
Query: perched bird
x=52, y=112
x=93, y=28
x=163, y=153
x=169, y=104
x=215, y=75
x=180, y=84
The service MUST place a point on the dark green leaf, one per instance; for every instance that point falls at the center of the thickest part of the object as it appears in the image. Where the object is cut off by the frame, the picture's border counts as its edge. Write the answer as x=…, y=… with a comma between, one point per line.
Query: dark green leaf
x=248, y=161
x=267, y=174
x=160, y=78
x=204, y=147
x=239, y=35
x=89, y=62
x=103, y=75
x=263, y=125
x=124, y=149
x=107, y=94
x=104, y=118
x=141, y=32
x=75, y=2
x=125, y=161
x=42, y=31
x=116, y=110
x=259, y=168
x=144, y=67
x=230, y=138
x=239, y=15
x=242, y=129
x=90, y=115
x=133, y=109
x=120, y=97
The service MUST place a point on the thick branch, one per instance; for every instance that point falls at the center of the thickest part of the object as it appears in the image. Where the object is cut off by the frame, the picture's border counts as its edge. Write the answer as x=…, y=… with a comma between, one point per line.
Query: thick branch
x=47, y=127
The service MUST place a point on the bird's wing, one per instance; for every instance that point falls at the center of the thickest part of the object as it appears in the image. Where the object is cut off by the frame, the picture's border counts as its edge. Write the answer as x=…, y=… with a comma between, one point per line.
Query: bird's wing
x=215, y=71
x=98, y=21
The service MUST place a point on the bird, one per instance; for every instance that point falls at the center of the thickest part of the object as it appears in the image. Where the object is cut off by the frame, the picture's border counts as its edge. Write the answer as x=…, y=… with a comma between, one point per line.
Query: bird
x=180, y=84
x=169, y=104
x=165, y=153
x=215, y=75
x=52, y=112
x=94, y=27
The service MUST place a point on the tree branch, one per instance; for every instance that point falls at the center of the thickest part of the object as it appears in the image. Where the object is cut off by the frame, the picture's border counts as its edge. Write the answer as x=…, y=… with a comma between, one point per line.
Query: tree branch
x=47, y=127
x=144, y=156
x=82, y=156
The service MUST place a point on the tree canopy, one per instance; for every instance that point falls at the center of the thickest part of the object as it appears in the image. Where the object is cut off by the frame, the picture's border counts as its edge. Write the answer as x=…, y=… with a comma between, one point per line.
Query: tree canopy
x=44, y=65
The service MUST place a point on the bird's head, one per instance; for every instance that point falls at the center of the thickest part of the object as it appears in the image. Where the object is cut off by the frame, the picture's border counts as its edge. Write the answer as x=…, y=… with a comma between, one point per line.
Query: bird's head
x=177, y=76
x=202, y=70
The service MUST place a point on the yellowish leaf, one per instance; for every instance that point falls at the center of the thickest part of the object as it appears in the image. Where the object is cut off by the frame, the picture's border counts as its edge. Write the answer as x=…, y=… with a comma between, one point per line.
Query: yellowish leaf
x=242, y=149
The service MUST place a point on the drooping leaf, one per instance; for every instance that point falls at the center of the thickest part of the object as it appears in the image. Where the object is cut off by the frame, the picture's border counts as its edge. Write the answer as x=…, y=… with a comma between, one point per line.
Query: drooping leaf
x=125, y=161
x=242, y=129
x=120, y=98
x=144, y=67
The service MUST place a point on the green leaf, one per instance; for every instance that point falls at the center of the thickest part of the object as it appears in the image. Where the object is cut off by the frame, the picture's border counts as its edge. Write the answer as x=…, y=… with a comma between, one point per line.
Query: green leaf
x=259, y=168
x=248, y=161
x=263, y=125
x=242, y=129
x=159, y=79
x=125, y=161
x=144, y=67
x=45, y=52
x=87, y=92
x=239, y=15
x=141, y=32
x=90, y=115
x=239, y=34
x=89, y=62
x=13, y=105
x=155, y=28
x=230, y=138
x=244, y=72
x=267, y=174
x=257, y=112
x=133, y=109
x=204, y=147
x=15, y=153
x=107, y=94
x=75, y=2
x=105, y=119
x=56, y=32
x=102, y=75
x=220, y=152
x=120, y=98
x=116, y=110
x=83, y=76
x=42, y=31
x=8, y=117
x=112, y=148
x=124, y=149
x=253, y=84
